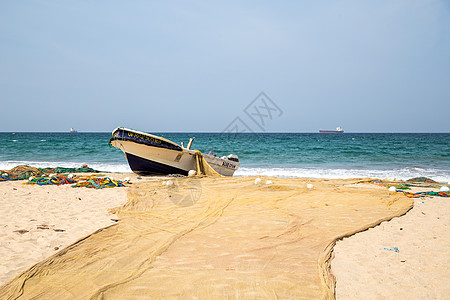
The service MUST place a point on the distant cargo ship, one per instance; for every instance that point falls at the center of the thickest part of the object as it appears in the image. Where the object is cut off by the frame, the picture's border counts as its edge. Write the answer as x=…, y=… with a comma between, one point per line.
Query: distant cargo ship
x=338, y=130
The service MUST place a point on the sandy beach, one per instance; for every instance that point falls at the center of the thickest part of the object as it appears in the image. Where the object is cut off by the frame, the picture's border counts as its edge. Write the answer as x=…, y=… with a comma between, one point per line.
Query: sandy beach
x=367, y=266
x=39, y=221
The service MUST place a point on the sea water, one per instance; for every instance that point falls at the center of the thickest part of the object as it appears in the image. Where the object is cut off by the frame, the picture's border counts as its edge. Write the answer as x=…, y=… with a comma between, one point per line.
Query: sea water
x=318, y=155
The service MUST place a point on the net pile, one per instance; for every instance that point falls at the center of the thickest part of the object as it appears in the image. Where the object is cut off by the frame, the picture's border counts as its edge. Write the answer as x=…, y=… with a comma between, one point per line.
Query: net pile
x=426, y=194
x=203, y=167
x=20, y=173
x=97, y=182
x=55, y=176
x=92, y=181
x=25, y=172
x=82, y=169
x=422, y=182
x=213, y=238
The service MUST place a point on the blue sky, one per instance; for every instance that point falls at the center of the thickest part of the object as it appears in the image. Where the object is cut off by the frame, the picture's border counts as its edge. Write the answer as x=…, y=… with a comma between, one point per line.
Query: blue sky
x=369, y=66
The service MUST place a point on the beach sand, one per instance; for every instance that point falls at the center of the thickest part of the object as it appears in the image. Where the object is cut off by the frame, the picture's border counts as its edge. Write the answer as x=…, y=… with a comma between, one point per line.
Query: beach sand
x=37, y=221
x=419, y=270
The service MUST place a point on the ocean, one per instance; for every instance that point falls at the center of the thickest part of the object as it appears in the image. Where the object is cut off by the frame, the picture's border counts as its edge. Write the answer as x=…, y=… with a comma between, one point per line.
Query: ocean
x=318, y=155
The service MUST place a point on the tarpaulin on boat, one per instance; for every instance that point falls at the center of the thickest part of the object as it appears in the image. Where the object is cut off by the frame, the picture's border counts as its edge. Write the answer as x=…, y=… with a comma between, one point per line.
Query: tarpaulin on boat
x=214, y=238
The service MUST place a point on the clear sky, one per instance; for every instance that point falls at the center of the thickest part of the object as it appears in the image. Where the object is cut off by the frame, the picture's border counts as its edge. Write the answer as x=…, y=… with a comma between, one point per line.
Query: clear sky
x=368, y=66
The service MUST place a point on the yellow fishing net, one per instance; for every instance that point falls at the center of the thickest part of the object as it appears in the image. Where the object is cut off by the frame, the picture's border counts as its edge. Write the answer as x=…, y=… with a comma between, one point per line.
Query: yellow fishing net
x=203, y=168
x=213, y=238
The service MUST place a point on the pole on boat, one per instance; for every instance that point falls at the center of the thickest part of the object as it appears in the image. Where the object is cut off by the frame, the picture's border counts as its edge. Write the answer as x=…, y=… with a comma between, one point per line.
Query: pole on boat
x=182, y=144
x=190, y=143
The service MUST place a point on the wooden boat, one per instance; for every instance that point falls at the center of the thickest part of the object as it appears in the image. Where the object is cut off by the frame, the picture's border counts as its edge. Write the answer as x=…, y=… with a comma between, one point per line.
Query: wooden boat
x=148, y=154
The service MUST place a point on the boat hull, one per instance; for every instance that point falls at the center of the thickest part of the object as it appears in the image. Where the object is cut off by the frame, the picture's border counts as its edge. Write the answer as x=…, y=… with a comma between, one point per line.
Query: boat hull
x=146, y=167
x=331, y=131
x=149, y=160
x=221, y=166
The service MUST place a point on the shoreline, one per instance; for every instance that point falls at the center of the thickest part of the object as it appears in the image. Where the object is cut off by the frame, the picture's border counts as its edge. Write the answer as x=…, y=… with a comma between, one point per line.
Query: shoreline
x=68, y=223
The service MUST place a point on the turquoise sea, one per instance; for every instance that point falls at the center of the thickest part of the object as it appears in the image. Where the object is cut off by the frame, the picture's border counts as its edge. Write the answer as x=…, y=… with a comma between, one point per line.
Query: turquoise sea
x=377, y=155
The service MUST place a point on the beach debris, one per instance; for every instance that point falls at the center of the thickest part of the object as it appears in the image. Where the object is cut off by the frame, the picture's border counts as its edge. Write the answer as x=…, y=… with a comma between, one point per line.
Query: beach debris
x=258, y=180
x=269, y=182
x=43, y=226
x=444, y=189
x=169, y=183
x=192, y=173
x=392, y=189
x=127, y=179
x=395, y=249
x=309, y=186
x=163, y=183
x=21, y=231
x=59, y=230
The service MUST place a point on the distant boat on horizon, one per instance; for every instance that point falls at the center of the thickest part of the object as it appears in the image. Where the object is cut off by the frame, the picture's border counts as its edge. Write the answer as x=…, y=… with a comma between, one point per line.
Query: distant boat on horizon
x=72, y=130
x=338, y=130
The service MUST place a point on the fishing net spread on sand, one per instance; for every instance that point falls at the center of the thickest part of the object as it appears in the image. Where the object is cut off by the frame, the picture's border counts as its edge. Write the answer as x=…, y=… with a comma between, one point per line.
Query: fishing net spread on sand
x=213, y=238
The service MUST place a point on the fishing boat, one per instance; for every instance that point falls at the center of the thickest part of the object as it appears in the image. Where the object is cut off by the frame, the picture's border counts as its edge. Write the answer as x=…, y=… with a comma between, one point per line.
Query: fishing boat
x=72, y=130
x=148, y=154
x=338, y=130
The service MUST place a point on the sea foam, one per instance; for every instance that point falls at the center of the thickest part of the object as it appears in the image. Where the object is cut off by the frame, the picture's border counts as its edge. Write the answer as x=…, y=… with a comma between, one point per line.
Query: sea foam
x=392, y=174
